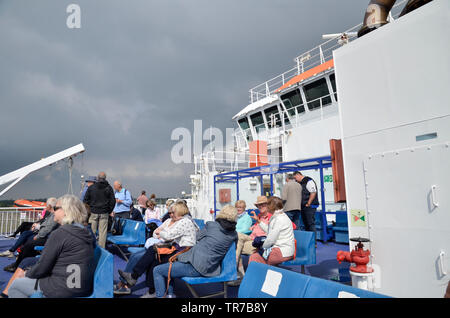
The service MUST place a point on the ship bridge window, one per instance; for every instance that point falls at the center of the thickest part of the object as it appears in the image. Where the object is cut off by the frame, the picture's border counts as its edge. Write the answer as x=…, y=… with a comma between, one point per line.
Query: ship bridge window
x=333, y=84
x=258, y=122
x=317, y=94
x=273, y=116
x=293, y=101
x=243, y=123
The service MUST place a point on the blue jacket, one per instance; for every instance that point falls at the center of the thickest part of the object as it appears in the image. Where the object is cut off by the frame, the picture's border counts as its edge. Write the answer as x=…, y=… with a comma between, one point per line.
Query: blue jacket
x=213, y=242
x=244, y=223
x=125, y=196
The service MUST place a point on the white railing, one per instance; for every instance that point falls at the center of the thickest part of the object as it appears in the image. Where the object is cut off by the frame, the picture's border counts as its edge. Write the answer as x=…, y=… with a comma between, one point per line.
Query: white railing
x=12, y=217
x=314, y=57
x=296, y=119
x=228, y=160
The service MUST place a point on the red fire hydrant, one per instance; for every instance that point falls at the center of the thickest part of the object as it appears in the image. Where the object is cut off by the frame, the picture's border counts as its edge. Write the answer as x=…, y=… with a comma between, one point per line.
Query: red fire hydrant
x=359, y=256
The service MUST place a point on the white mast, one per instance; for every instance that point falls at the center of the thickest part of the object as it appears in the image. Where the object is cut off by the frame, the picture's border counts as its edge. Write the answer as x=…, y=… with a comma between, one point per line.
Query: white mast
x=21, y=173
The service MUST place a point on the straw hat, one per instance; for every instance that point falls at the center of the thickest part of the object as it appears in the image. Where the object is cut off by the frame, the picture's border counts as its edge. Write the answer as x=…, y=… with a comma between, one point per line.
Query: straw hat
x=261, y=199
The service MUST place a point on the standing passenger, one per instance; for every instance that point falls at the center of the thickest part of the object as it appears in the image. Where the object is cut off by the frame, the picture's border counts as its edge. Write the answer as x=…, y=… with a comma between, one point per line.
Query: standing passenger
x=142, y=201
x=310, y=201
x=101, y=201
x=123, y=201
x=292, y=199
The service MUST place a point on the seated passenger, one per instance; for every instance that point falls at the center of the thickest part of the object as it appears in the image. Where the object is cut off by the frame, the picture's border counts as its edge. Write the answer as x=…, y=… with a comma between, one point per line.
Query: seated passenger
x=205, y=257
x=26, y=227
x=135, y=214
x=152, y=211
x=244, y=221
x=245, y=242
x=33, y=240
x=182, y=234
x=279, y=245
x=28, y=262
x=69, y=249
x=165, y=214
x=122, y=288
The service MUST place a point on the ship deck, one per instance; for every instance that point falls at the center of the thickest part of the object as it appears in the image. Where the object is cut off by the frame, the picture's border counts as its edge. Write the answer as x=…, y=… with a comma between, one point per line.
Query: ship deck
x=326, y=267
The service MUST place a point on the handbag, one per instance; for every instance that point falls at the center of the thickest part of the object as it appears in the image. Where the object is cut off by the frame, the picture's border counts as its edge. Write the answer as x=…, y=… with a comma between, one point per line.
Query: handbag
x=164, y=249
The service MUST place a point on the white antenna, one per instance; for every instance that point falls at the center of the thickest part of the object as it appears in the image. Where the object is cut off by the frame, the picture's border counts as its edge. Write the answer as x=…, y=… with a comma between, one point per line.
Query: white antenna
x=342, y=37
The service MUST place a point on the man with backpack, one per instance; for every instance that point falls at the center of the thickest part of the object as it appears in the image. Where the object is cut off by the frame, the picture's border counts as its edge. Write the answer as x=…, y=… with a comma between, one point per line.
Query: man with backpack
x=101, y=201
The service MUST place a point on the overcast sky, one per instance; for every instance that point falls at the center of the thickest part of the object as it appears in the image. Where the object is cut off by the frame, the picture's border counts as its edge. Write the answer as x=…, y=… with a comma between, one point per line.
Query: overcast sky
x=134, y=72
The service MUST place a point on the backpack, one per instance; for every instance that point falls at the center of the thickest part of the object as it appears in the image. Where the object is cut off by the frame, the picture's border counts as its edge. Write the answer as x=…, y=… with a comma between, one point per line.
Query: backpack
x=115, y=225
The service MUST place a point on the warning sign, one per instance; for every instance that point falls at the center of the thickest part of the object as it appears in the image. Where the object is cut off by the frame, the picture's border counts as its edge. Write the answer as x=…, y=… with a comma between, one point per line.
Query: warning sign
x=358, y=217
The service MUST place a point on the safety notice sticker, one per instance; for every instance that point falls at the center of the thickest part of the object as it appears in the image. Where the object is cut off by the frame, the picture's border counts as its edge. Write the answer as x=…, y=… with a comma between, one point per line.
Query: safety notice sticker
x=358, y=217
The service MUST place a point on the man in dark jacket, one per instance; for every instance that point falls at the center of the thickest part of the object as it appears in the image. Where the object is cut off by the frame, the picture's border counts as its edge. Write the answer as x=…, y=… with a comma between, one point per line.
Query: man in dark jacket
x=101, y=201
x=309, y=200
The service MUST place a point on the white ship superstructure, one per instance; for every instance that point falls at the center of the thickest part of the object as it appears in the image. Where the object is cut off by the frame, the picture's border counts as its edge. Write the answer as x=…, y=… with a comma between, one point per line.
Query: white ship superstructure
x=295, y=112
x=388, y=103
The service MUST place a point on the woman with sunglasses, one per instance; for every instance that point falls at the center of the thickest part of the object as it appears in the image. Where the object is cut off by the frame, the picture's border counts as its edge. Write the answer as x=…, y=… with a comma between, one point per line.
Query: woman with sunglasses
x=65, y=268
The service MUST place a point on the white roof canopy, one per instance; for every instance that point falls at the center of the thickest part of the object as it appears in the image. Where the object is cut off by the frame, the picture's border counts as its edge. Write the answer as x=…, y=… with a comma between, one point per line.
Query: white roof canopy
x=258, y=104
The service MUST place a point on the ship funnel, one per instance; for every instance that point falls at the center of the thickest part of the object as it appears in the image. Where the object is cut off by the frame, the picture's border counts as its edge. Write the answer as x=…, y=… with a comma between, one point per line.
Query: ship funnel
x=378, y=11
x=376, y=15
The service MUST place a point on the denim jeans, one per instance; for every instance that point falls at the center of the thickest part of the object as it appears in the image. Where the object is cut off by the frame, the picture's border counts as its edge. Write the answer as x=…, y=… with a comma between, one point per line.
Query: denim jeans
x=22, y=288
x=309, y=218
x=23, y=238
x=132, y=261
x=294, y=215
x=178, y=270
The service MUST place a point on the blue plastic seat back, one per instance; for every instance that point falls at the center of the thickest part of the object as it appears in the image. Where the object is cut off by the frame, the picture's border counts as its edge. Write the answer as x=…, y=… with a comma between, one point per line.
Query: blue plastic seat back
x=133, y=233
x=265, y=281
x=341, y=220
x=103, y=276
x=228, y=270
x=229, y=266
x=200, y=223
x=306, y=249
x=321, y=288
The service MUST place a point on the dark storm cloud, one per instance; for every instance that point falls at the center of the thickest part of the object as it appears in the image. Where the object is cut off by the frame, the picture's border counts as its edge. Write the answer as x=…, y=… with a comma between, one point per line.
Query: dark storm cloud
x=135, y=71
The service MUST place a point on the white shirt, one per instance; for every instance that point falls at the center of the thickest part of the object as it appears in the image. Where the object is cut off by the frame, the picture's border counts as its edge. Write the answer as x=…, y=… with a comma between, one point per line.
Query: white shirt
x=311, y=186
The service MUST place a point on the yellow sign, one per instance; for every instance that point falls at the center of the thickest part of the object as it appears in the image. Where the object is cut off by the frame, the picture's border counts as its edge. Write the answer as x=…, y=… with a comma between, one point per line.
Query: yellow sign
x=358, y=217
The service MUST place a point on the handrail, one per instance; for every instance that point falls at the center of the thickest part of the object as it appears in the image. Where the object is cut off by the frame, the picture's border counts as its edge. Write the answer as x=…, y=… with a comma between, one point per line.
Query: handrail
x=305, y=61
